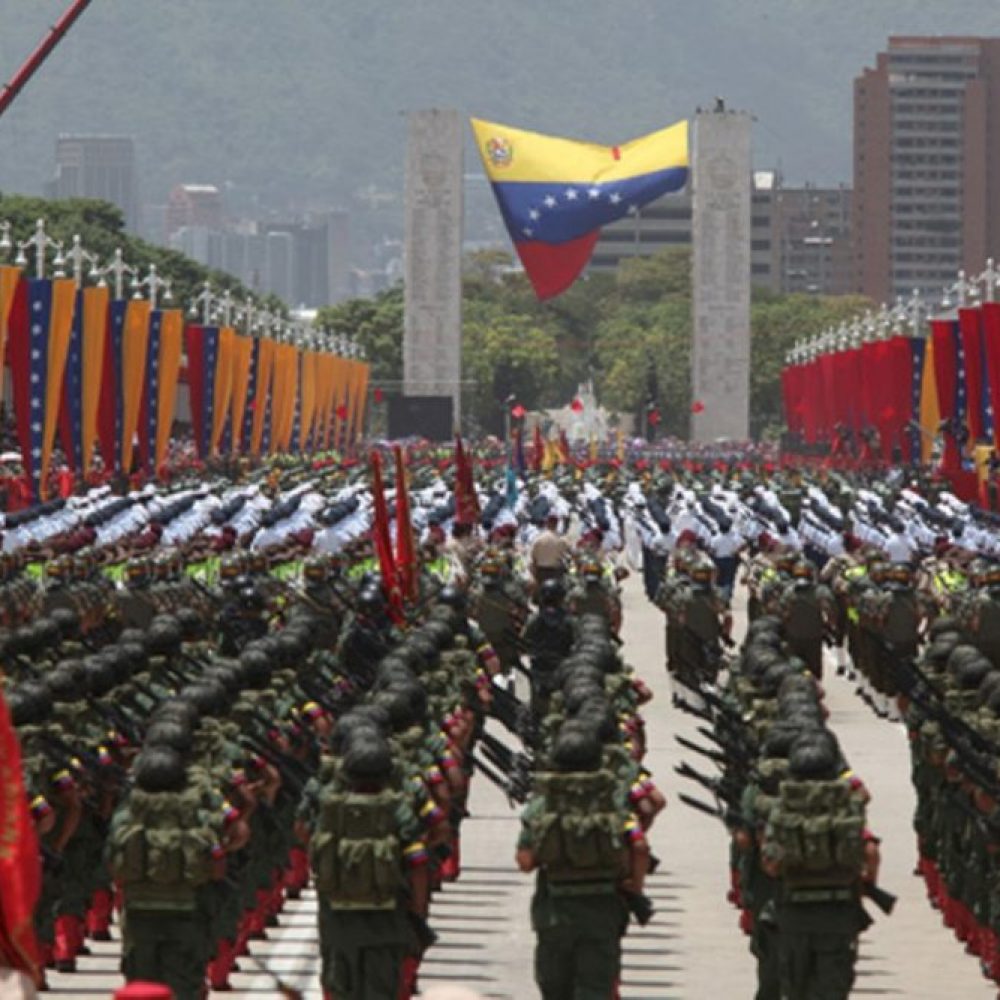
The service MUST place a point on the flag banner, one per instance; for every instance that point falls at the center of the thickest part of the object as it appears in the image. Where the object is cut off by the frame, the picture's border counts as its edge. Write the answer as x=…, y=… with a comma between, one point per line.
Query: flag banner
x=223, y=387
x=171, y=339
x=148, y=412
x=406, y=552
x=109, y=416
x=949, y=372
x=10, y=277
x=340, y=399
x=242, y=354
x=71, y=403
x=383, y=542
x=466, y=499
x=40, y=324
x=930, y=408
x=555, y=194
x=202, y=351
x=134, y=349
x=991, y=352
x=250, y=409
x=359, y=402
x=325, y=387
x=20, y=859
x=307, y=400
x=95, y=328
x=970, y=341
x=263, y=373
x=286, y=392
x=896, y=410
x=917, y=347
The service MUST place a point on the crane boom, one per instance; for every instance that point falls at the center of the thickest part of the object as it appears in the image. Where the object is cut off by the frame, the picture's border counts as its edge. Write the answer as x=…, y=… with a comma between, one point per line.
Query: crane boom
x=55, y=35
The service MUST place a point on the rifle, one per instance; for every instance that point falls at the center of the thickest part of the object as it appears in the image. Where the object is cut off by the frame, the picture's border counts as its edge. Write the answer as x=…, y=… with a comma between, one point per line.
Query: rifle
x=713, y=755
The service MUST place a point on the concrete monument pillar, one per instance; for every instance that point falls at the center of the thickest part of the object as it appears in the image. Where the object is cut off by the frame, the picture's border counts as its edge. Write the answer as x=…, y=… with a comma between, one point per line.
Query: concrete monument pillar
x=432, y=324
x=720, y=355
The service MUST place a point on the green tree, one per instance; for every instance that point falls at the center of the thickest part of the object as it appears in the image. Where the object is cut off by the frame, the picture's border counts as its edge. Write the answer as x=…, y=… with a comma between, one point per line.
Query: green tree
x=101, y=229
x=506, y=354
x=376, y=325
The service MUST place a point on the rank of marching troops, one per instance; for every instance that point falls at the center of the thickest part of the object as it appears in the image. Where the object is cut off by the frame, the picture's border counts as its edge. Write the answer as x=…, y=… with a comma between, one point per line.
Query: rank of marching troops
x=208, y=724
x=900, y=580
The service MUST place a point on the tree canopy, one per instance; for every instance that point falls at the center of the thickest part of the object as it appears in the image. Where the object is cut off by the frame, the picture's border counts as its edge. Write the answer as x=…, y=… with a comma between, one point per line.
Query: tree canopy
x=629, y=332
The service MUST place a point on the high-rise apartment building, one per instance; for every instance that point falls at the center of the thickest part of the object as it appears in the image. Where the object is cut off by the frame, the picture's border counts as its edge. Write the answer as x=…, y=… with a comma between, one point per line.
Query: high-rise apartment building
x=97, y=166
x=926, y=149
x=799, y=236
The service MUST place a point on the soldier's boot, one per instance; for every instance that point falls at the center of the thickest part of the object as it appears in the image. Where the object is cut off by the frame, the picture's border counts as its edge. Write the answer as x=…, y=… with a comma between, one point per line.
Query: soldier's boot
x=46, y=959
x=243, y=934
x=733, y=895
x=408, y=977
x=258, y=916
x=296, y=875
x=451, y=867
x=276, y=899
x=64, y=945
x=99, y=916
x=221, y=966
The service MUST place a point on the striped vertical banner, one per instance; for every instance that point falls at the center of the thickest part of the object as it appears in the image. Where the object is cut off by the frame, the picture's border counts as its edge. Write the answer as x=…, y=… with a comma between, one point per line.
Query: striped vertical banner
x=262, y=395
x=134, y=350
x=149, y=411
x=223, y=386
x=9, y=278
x=171, y=337
x=95, y=328
x=71, y=404
x=109, y=418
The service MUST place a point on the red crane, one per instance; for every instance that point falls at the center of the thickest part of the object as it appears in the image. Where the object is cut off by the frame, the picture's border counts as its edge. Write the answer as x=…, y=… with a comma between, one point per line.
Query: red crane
x=55, y=35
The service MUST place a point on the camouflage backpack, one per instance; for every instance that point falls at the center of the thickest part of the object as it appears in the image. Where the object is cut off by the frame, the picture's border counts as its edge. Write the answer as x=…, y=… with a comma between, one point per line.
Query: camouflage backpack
x=818, y=827
x=803, y=615
x=356, y=853
x=577, y=836
x=163, y=850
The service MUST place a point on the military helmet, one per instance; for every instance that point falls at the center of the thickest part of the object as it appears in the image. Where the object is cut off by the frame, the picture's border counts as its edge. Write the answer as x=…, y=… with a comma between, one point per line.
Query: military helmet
x=551, y=593
x=137, y=570
x=315, y=570
x=159, y=769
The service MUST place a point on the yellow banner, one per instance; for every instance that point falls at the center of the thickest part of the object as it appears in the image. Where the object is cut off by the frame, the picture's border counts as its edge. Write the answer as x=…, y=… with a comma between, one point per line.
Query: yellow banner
x=135, y=343
x=242, y=348
x=171, y=337
x=95, y=325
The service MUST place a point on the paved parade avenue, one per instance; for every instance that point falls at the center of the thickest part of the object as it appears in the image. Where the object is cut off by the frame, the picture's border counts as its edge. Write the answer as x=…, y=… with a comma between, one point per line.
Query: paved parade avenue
x=693, y=948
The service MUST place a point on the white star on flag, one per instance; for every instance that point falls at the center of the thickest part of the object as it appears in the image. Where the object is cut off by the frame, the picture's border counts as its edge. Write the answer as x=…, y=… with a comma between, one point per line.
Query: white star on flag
x=550, y=202
x=534, y=214
x=614, y=198
x=570, y=194
x=594, y=193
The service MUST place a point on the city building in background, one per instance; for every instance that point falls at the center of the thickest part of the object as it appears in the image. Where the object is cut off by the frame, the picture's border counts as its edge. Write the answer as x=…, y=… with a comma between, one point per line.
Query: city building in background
x=194, y=206
x=799, y=236
x=926, y=142
x=97, y=166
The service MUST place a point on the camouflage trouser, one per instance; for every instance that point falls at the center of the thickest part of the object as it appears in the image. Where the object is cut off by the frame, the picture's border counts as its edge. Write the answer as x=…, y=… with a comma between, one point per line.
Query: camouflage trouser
x=167, y=947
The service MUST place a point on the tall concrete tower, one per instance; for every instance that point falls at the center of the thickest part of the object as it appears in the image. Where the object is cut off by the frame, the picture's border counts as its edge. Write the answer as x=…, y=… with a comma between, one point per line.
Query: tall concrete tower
x=720, y=356
x=432, y=325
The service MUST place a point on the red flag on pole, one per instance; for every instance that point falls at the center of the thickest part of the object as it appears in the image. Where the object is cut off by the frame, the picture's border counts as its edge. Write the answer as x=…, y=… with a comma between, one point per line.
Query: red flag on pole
x=466, y=501
x=20, y=867
x=383, y=542
x=406, y=555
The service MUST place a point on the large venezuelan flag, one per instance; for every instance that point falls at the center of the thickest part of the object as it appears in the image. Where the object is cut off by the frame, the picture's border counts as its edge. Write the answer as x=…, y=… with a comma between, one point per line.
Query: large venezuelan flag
x=555, y=194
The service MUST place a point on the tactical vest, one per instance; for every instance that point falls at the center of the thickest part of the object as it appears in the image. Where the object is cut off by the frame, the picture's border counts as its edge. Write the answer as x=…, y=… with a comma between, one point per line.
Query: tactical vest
x=577, y=836
x=356, y=852
x=164, y=851
x=819, y=827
